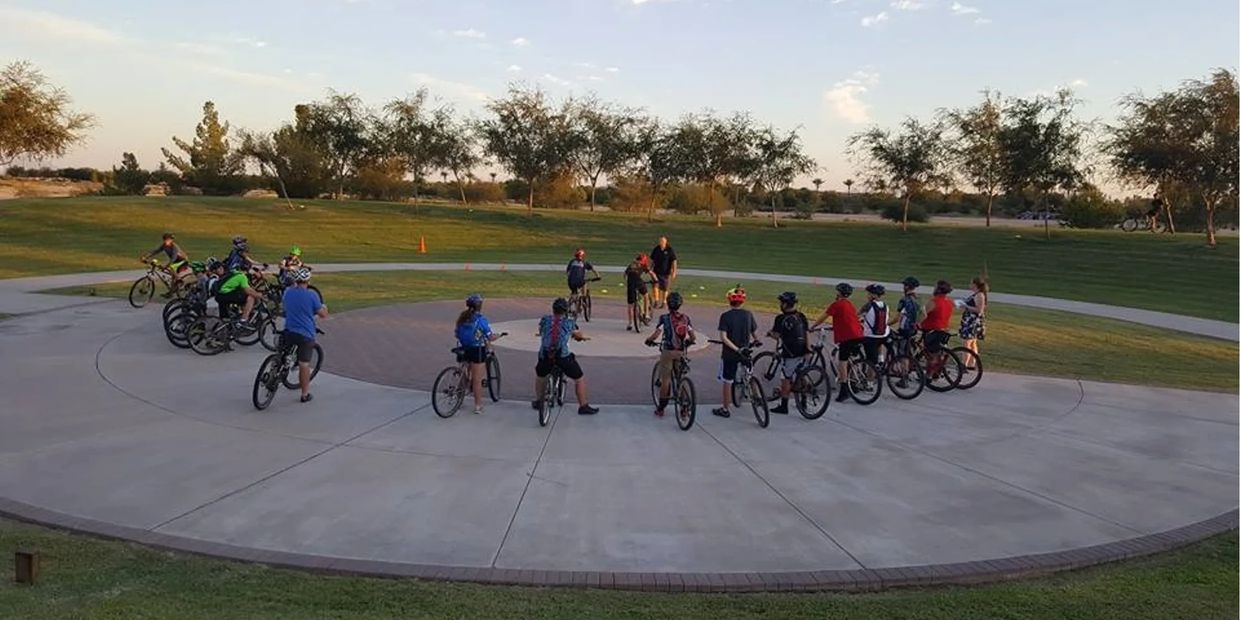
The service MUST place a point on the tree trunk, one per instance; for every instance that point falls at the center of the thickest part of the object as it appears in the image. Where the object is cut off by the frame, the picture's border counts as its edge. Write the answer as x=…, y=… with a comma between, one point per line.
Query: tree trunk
x=774, y=217
x=710, y=204
x=1167, y=213
x=283, y=190
x=908, y=197
x=1046, y=217
x=593, y=189
x=654, y=196
x=1211, y=207
x=530, y=204
x=461, y=186
x=990, y=201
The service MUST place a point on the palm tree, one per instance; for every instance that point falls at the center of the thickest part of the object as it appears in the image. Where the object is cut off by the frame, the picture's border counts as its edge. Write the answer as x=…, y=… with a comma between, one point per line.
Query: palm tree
x=493, y=177
x=443, y=174
x=817, y=185
x=849, y=183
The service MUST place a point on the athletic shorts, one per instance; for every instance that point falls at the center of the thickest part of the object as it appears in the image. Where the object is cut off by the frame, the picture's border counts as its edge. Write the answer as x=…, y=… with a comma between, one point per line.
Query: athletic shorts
x=634, y=293
x=235, y=297
x=661, y=280
x=935, y=340
x=873, y=348
x=727, y=370
x=848, y=348
x=568, y=365
x=305, y=346
x=473, y=355
x=664, y=365
x=790, y=365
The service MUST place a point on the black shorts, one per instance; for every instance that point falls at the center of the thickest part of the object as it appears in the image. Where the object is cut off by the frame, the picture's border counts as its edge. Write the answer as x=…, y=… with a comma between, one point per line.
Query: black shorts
x=305, y=346
x=232, y=298
x=568, y=365
x=634, y=293
x=661, y=280
x=873, y=346
x=935, y=340
x=727, y=370
x=473, y=355
x=849, y=348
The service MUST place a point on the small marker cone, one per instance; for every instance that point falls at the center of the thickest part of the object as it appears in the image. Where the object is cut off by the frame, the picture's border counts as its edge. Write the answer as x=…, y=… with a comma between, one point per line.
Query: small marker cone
x=467, y=267
x=422, y=244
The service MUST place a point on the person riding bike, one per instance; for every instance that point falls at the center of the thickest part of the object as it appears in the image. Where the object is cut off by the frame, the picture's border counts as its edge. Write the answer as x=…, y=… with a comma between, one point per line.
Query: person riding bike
x=239, y=257
x=289, y=265
x=556, y=330
x=233, y=288
x=908, y=316
x=177, y=261
x=845, y=330
x=792, y=329
x=635, y=289
x=737, y=330
x=576, y=271
x=938, y=317
x=301, y=308
x=473, y=333
x=874, y=322
x=676, y=330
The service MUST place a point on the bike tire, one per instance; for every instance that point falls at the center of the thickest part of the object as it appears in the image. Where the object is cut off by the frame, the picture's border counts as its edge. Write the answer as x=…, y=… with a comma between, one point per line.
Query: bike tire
x=141, y=292
x=655, y=384
x=265, y=383
x=910, y=373
x=757, y=400
x=813, y=394
x=316, y=363
x=493, y=378
x=738, y=394
x=1128, y=225
x=175, y=328
x=766, y=369
x=548, y=401
x=248, y=336
x=448, y=392
x=173, y=306
x=203, y=336
x=969, y=377
x=943, y=379
x=866, y=389
x=685, y=404
x=587, y=306
x=269, y=333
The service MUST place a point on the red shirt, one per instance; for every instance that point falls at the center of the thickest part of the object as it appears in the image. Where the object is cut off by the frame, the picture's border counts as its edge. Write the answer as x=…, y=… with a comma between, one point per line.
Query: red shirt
x=844, y=319
x=939, y=314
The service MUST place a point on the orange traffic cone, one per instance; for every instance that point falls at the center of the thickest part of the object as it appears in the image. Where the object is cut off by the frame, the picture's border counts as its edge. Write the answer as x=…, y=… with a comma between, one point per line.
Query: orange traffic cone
x=422, y=244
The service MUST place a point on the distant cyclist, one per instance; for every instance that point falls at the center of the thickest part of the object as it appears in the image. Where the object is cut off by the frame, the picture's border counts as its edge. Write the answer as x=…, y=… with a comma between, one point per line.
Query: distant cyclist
x=556, y=330
x=908, y=316
x=737, y=330
x=874, y=322
x=289, y=265
x=792, y=329
x=635, y=289
x=239, y=258
x=473, y=332
x=233, y=288
x=301, y=308
x=176, y=260
x=677, y=334
x=576, y=271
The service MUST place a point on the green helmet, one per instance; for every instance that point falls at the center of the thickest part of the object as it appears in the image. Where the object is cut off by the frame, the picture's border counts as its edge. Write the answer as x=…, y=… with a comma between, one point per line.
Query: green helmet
x=295, y=251
x=198, y=266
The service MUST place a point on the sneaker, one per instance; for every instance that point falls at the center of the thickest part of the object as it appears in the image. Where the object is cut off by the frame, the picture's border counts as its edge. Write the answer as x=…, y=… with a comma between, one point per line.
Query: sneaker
x=536, y=404
x=721, y=412
x=844, y=395
x=307, y=398
x=781, y=409
x=587, y=410
x=477, y=410
x=658, y=412
x=628, y=328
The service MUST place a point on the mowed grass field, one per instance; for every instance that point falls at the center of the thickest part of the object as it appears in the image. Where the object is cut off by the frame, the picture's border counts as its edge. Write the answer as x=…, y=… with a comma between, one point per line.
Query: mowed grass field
x=1158, y=272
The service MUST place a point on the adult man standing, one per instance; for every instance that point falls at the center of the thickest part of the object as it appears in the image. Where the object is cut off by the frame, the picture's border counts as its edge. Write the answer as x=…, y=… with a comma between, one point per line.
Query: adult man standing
x=663, y=260
x=301, y=308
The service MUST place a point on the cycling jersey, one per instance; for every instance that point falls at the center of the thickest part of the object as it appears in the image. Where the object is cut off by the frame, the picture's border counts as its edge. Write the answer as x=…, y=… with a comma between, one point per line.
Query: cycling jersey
x=474, y=332
x=235, y=281
x=939, y=315
x=236, y=261
x=844, y=323
x=909, y=310
x=874, y=319
x=172, y=251
x=576, y=271
x=676, y=330
x=556, y=332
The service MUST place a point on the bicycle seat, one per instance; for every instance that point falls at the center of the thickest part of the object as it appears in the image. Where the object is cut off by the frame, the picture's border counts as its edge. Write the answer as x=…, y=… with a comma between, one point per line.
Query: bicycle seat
x=458, y=350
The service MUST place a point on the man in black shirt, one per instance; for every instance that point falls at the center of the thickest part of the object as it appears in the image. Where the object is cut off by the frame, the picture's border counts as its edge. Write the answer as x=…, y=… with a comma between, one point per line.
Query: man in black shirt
x=663, y=260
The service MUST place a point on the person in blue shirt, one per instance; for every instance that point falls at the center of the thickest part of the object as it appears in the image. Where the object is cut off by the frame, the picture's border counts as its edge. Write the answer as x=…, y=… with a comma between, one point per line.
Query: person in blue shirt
x=576, y=271
x=556, y=330
x=473, y=333
x=301, y=308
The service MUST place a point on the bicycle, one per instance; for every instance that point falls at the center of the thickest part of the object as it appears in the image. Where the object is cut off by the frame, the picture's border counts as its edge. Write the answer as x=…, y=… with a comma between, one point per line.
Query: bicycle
x=943, y=368
x=580, y=303
x=970, y=368
x=811, y=384
x=746, y=386
x=683, y=396
x=143, y=289
x=1142, y=222
x=454, y=382
x=552, y=396
x=864, y=378
x=905, y=377
x=275, y=368
x=208, y=335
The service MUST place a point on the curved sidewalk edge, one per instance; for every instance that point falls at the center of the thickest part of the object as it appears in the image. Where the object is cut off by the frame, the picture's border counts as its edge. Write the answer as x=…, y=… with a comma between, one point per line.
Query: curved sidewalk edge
x=863, y=580
x=18, y=295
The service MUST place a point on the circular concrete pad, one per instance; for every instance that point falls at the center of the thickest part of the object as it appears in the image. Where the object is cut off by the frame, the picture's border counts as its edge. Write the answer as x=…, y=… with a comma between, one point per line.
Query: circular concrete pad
x=608, y=338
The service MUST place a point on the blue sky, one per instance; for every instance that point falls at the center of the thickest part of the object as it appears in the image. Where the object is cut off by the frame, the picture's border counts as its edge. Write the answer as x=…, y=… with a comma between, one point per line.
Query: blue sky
x=829, y=67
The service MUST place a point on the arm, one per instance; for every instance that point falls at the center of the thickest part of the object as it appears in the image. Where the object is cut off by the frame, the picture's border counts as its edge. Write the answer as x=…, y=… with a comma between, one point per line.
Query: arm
x=322, y=313
x=980, y=301
x=822, y=319
x=675, y=266
x=658, y=329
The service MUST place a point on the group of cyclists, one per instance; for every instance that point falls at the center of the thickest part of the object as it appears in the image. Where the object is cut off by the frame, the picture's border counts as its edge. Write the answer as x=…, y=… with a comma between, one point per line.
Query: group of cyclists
x=231, y=283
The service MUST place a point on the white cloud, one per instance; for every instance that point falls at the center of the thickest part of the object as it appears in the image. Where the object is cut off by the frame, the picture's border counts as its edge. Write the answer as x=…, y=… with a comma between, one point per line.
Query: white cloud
x=556, y=80
x=41, y=24
x=844, y=99
x=960, y=9
x=249, y=41
x=982, y=21
x=1078, y=83
x=449, y=88
x=514, y=68
x=594, y=78
x=908, y=5
x=520, y=41
x=612, y=69
x=469, y=33
x=874, y=20
x=584, y=65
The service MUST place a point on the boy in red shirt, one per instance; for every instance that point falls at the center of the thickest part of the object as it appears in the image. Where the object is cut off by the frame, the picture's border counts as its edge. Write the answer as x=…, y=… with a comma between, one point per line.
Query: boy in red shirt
x=846, y=330
x=938, y=317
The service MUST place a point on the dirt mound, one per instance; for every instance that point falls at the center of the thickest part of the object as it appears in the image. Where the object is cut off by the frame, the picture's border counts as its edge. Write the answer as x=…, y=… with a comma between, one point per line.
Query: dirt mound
x=40, y=187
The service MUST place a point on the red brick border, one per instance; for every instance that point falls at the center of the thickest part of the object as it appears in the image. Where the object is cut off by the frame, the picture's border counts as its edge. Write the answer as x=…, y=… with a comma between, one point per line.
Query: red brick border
x=981, y=571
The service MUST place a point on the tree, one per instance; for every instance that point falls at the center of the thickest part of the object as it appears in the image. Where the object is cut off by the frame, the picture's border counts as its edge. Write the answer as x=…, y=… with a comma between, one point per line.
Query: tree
x=526, y=137
x=340, y=127
x=130, y=178
x=977, y=152
x=777, y=161
x=212, y=164
x=712, y=150
x=35, y=120
x=261, y=148
x=408, y=132
x=1212, y=108
x=848, y=183
x=603, y=139
x=455, y=150
x=300, y=162
x=908, y=162
x=660, y=160
x=817, y=185
x=1041, y=143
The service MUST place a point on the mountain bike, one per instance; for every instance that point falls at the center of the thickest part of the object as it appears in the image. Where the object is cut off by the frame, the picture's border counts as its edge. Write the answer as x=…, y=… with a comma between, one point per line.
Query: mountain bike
x=682, y=395
x=1142, y=222
x=580, y=303
x=552, y=396
x=811, y=382
x=971, y=368
x=208, y=335
x=747, y=386
x=454, y=382
x=143, y=289
x=275, y=369
x=905, y=377
x=943, y=368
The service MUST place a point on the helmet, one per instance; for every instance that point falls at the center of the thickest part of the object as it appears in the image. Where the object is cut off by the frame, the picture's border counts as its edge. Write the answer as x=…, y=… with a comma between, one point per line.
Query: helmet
x=674, y=301
x=736, y=294
x=168, y=236
x=642, y=259
x=876, y=289
x=302, y=275
x=580, y=253
x=788, y=297
x=239, y=242
x=844, y=288
x=295, y=251
x=197, y=266
x=911, y=282
x=474, y=301
x=213, y=263
x=559, y=306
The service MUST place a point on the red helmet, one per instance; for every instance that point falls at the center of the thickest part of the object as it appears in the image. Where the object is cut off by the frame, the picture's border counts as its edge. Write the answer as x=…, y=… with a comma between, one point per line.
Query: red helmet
x=736, y=294
x=580, y=253
x=642, y=259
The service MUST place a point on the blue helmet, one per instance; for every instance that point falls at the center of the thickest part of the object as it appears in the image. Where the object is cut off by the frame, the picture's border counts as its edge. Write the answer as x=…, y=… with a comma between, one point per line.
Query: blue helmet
x=474, y=301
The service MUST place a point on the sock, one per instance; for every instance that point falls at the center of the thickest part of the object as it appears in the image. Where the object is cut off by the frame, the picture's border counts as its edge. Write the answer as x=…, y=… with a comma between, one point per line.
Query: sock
x=663, y=403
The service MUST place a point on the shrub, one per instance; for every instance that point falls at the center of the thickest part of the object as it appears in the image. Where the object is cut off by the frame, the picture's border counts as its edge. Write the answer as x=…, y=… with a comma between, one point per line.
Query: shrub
x=1091, y=209
x=559, y=192
x=629, y=194
x=894, y=211
x=484, y=192
x=693, y=199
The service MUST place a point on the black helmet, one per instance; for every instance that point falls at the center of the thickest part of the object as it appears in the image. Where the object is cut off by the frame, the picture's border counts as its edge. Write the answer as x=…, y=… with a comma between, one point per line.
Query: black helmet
x=168, y=236
x=843, y=288
x=474, y=301
x=559, y=306
x=675, y=300
x=213, y=263
x=788, y=297
x=911, y=282
x=876, y=289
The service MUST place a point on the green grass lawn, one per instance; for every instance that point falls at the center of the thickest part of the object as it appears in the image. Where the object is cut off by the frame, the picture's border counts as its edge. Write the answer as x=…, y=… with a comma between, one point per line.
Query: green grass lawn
x=89, y=578
x=1022, y=340
x=1159, y=272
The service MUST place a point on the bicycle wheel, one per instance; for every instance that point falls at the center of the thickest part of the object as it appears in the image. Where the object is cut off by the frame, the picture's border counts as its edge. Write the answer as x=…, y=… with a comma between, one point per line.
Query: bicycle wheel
x=905, y=378
x=757, y=400
x=943, y=373
x=864, y=381
x=811, y=387
x=449, y=392
x=493, y=377
x=206, y=335
x=316, y=362
x=655, y=384
x=1158, y=226
x=587, y=306
x=248, y=336
x=685, y=404
x=175, y=328
x=267, y=382
x=971, y=367
x=141, y=292
x=1128, y=225
x=172, y=307
x=269, y=333
x=548, y=401
x=766, y=370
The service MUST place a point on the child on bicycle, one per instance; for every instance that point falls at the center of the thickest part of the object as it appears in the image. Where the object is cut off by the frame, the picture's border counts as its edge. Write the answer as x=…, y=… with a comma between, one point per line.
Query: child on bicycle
x=737, y=330
x=576, y=271
x=677, y=335
x=938, y=317
x=908, y=316
x=289, y=265
x=635, y=290
x=792, y=330
x=473, y=333
x=556, y=330
x=846, y=331
x=874, y=323
x=177, y=261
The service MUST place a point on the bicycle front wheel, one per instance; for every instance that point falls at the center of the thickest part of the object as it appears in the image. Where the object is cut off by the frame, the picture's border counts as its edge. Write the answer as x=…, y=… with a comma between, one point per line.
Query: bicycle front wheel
x=655, y=384
x=905, y=378
x=448, y=392
x=175, y=328
x=757, y=400
x=686, y=404
x=864, y=383
x=766, y=370
x=586, y=307
x=943, y=370
x=1129, y=225
x=206, y=336
x=971, y=368
x=493, y=377
x=266, y=382
x=548, y=401
x=813, y=392
x=269, y=333
x=141, y=292
x=316, y=362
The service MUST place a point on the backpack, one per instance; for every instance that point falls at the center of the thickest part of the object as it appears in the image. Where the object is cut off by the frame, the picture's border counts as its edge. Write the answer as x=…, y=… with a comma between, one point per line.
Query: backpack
x=467, y=333
x=794, y=334
x=877, y=310
x=676, y=328
x=552, y=337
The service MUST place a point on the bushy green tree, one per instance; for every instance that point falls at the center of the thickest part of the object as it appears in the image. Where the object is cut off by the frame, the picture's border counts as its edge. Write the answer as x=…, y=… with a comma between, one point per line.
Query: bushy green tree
x=36, y=121
x=905, y=163
x=527, y=137
x=129, y=178
x=209, y=161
